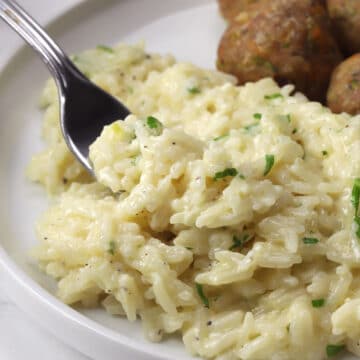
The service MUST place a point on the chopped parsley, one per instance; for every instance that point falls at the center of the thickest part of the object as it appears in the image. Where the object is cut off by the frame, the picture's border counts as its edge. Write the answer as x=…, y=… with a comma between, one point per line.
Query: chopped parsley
x=189, y=248
x=285, y=118
x=294, y=131
x=325, y=153
x=355, y=195
x=221, y=137
x=112, y=247
x=201, y=294
x=105, y=48
x=357, y=223
x=269, y=163
x=317, y=303
x=194, y=90
x=260, y=61
x=355, y=201
x=273, y=96
x=251, y=126
x=239, y=242
x=332, y=350
x=154, y=124
x=225, y=173
x=257, y=116
x=310, y=240
x=354, y=84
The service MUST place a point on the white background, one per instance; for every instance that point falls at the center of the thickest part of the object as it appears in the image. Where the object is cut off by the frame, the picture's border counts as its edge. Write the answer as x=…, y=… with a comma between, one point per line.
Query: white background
x=20, y=337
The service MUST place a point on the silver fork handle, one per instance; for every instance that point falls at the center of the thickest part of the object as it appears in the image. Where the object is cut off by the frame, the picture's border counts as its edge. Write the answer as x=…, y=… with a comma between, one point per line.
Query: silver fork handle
x=52, y=55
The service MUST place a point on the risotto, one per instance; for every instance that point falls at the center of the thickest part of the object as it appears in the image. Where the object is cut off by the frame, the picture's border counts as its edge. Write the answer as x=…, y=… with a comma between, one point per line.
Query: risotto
x=228, y=215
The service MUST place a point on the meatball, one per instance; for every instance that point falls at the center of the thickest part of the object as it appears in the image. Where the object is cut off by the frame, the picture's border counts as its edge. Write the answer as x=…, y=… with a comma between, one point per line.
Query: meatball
x=289, y=40
x=345, y=17
x=344, y=90
x=231, y=8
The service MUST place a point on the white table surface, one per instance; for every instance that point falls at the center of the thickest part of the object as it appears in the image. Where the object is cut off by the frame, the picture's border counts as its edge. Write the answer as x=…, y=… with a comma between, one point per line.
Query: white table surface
x=20, y=337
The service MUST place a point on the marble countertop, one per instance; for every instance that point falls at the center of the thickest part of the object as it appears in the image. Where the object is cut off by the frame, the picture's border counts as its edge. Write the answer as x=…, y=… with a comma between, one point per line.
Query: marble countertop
x=20, y=337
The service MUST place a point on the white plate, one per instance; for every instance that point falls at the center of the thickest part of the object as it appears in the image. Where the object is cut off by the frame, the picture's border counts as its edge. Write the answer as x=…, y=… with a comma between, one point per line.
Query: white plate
x=190, y=32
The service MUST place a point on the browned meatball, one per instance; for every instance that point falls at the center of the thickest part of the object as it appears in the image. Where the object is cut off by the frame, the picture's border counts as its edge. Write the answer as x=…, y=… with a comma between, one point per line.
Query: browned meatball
x=344, y=91
x=288, y=40
x=231, y=8
x=345, y=16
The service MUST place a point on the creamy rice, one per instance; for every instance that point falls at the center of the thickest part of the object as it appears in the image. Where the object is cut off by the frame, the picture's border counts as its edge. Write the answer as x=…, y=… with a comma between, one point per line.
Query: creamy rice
x=225, y=214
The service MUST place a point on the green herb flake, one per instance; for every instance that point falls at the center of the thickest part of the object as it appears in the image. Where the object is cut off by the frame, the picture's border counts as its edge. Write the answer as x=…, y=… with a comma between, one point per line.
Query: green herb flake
x=332, y=350
x=250, y=127
x=310, y=240
x=355, y=201
x=294, y=131
x=285, y=118
x=112, y=247
x=260, y=61
x=189, y=248
x=225, y=173
x=194, y=90
x=241, y=176
x=105, y=48
x=257, y=116
x=155, y=125
x=355, y=195
x=325, y=153
x=317, y=303
x=221, y=137
x=273, y=96
x=354, y=84
x=201, y=294
x=239, y=242
x=269, y=163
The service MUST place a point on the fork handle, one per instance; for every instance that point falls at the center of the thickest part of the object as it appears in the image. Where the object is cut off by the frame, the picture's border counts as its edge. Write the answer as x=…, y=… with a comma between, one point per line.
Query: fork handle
x=53, y=56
